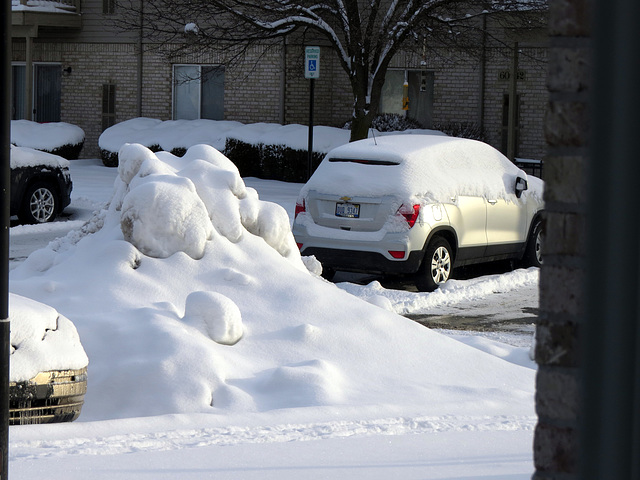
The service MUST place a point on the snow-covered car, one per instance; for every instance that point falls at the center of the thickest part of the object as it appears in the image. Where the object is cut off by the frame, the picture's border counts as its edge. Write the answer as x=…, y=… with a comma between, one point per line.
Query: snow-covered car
x=418, y=205
x=40, y=185
x=47, y=365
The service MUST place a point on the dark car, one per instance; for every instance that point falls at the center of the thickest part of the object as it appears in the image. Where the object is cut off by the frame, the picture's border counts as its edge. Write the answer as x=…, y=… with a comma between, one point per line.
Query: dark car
x=40, y=185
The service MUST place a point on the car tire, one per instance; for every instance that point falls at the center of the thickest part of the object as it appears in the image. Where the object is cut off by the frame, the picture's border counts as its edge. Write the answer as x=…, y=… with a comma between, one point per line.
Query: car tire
x=533, y=253
x=436, y=267
x=328, y=273
x=40, y=204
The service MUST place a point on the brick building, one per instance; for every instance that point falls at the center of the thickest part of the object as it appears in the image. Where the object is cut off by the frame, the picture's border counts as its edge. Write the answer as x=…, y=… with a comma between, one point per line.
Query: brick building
x=85, y=72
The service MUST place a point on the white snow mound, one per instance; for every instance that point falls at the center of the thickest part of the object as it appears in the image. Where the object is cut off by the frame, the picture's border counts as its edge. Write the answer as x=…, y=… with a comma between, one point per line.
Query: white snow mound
x=232, y=322
x=218, y=316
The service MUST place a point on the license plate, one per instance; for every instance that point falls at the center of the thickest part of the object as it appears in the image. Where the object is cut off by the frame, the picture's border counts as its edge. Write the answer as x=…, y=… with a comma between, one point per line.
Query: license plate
x=348, y=210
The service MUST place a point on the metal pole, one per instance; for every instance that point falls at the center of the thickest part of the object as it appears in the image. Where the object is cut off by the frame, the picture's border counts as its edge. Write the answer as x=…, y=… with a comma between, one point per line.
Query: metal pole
x=513, y=106
x=140, y=59
x=5, y=182
x=310, y=147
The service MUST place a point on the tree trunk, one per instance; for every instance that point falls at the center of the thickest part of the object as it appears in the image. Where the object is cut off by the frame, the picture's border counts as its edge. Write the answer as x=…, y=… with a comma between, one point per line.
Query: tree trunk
x=365, y=111
x=360, y=127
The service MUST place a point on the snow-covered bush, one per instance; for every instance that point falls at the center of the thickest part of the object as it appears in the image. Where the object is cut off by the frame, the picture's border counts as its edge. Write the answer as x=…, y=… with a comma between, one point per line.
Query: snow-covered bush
x=57, y=138
x=391, y=122
x=271, y=161
x=245, y=155
x=264, y=150
x=462, y=130
x=280, y=162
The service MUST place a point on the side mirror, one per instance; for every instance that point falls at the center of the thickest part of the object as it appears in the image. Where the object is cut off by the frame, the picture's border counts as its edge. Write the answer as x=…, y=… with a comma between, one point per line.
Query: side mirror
x=521, y=186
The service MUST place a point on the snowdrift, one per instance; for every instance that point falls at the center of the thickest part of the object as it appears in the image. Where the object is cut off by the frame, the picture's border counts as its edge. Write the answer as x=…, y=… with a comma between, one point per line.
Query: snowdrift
x=190, y=296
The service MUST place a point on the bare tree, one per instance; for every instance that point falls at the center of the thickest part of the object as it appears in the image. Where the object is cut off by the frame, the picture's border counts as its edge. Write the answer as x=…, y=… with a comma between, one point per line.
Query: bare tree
x=365, y=34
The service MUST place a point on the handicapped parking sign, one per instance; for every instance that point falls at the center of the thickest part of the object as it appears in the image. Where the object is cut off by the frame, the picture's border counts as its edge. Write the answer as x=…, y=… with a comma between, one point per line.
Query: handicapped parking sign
x=312, y=62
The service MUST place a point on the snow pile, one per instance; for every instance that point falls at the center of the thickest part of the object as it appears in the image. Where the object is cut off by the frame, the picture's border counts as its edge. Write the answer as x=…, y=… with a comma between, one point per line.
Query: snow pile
x=215, y=315
x=45, y=136
x=232, y=324
x=428, y=167
x=28, y=157
x=41, y=340
x=173, y=205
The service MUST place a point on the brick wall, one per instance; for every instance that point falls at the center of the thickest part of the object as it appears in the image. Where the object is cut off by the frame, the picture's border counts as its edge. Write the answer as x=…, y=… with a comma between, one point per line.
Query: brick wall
x=457, y=86
x=255, y=87
x=561, y=278
x=333, y=100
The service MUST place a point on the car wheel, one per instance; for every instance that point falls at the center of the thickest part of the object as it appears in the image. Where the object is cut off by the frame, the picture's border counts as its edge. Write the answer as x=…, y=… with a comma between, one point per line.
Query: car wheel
x=39, y=204
x=436, y=266
x=533, y=253
x=328, y=273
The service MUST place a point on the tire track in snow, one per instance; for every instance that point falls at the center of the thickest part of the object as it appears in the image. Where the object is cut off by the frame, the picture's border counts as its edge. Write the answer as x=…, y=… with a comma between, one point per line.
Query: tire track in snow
x=227, y=436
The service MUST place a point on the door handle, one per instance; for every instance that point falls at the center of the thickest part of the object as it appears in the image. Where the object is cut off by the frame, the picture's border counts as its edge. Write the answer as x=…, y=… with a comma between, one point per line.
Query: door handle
x=492, y=202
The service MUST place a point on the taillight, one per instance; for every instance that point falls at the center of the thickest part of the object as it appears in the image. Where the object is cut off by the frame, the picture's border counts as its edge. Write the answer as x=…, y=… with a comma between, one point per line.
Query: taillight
x=412, y=216
x=300, y=208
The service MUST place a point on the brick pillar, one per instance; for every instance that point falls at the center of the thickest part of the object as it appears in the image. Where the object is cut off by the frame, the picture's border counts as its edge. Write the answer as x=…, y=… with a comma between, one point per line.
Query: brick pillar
x=562, y=276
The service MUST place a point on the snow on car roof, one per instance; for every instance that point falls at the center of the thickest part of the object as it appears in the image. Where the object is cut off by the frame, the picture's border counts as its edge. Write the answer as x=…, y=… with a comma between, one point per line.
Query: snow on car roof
x=42, y=340
x=432, y=167
x=28, y=157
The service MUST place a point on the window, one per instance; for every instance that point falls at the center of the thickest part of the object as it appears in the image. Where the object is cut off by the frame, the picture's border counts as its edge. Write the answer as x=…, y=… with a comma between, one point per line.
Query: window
x=420, y=94
x=46, y=92
x=108, y=7
x=198, y=92
x=108, y=105
x=18, y=94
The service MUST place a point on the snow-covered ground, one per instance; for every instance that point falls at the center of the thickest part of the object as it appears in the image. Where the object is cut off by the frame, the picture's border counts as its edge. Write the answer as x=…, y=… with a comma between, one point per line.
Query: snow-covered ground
x=325, y=381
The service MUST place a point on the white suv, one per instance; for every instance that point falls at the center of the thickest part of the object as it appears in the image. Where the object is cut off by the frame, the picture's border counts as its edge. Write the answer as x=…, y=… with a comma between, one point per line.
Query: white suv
x=418, y=204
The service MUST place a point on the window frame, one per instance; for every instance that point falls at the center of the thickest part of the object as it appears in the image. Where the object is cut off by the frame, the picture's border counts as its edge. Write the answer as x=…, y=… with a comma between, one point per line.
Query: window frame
x=174, y=84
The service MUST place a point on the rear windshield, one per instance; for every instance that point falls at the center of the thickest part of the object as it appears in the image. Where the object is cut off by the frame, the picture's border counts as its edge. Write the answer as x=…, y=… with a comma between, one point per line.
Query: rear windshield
x=363, y=161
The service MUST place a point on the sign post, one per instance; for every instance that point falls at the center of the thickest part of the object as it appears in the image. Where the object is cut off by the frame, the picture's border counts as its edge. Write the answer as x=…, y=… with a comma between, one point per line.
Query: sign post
x=311, y=71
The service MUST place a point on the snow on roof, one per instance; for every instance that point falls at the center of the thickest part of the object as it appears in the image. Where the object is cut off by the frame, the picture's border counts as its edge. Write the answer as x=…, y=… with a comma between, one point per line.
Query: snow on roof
x=431, y=167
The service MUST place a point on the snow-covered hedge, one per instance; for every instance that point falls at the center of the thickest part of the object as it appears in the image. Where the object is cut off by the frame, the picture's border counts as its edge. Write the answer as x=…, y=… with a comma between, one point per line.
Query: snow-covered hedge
x=271, y=161
x=58, y=138
x=264, y=150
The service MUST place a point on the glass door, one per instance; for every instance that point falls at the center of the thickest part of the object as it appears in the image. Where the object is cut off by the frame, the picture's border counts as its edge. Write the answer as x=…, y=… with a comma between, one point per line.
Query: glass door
x=47, y=92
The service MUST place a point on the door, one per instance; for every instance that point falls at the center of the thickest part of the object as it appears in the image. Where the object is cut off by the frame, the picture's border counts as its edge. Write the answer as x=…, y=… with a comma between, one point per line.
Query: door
x=468, y=217
x=47, y=92
x=420, y=94
x=506, y=226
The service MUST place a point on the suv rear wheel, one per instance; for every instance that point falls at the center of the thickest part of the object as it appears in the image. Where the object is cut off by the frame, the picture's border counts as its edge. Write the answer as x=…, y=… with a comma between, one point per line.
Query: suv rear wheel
x=40, y=204
x=436, y=266
x=533, y=253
